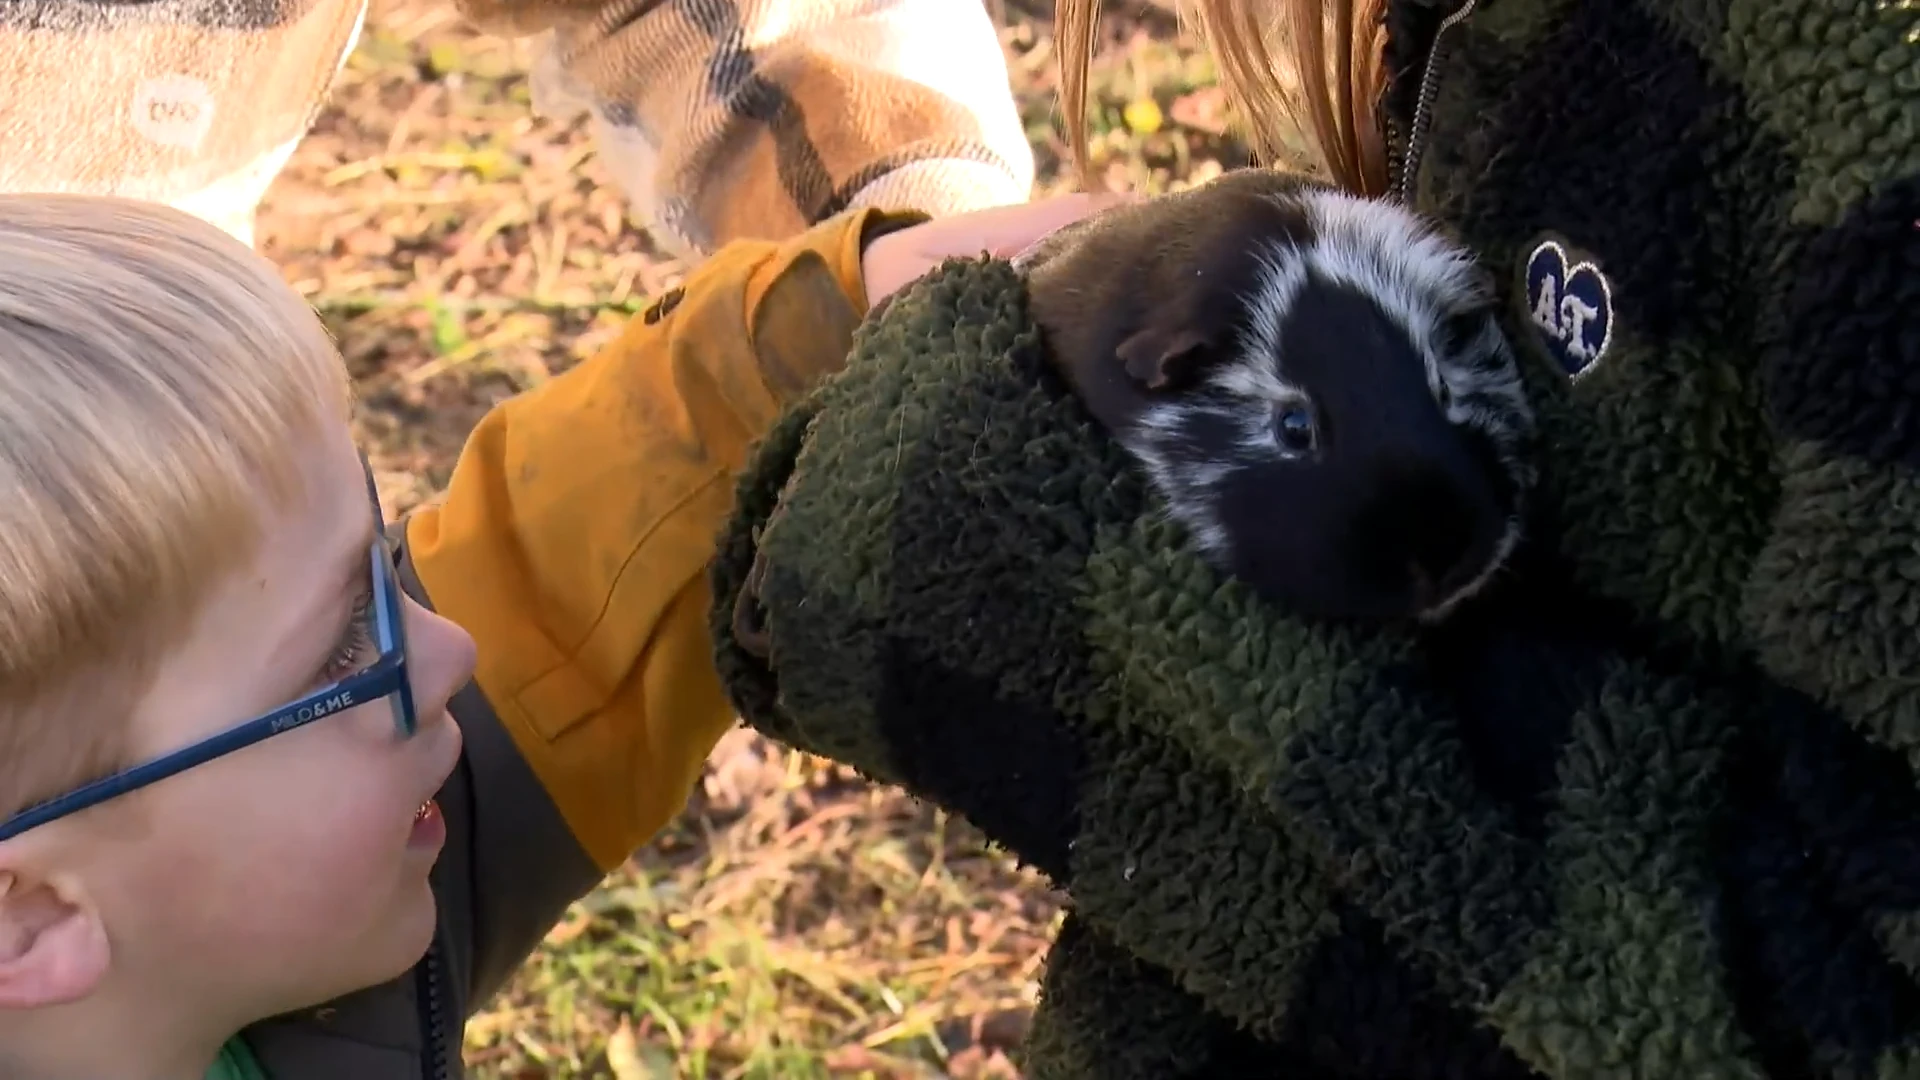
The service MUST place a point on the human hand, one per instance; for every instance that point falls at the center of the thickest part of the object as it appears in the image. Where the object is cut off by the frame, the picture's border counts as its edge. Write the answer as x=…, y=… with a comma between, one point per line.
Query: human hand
x=895, y=259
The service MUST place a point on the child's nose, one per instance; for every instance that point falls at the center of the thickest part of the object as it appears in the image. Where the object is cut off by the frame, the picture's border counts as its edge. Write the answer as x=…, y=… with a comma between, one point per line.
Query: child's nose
x=440, y=658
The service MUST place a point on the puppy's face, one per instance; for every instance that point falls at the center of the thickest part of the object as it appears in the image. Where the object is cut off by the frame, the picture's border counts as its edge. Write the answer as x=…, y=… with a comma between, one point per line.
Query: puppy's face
x=1321, y=393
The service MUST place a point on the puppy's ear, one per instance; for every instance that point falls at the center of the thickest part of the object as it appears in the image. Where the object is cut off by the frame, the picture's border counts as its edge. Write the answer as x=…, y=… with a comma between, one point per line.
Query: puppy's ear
x=1164, y=359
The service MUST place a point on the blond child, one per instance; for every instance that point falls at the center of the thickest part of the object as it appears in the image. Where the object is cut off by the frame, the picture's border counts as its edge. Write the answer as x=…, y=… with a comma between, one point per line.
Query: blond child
x=463, y=721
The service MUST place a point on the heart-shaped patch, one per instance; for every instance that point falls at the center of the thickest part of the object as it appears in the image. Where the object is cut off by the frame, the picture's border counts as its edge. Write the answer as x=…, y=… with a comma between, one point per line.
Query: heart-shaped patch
x=1572, y=306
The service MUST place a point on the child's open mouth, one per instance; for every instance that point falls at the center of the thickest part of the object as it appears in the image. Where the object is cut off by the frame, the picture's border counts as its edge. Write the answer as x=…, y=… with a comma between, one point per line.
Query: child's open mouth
x=429, y=828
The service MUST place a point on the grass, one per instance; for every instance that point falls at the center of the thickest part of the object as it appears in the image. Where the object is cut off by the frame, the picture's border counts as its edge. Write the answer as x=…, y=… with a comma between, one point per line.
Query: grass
x=795, y=922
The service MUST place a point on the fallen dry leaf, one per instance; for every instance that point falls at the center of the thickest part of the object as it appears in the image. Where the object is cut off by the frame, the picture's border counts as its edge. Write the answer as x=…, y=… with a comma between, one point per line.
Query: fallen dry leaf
x=623, y=1053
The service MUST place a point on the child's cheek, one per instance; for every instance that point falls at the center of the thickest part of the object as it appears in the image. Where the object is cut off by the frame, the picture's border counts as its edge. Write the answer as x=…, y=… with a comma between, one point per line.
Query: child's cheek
x=344, y=829
x=350, y=892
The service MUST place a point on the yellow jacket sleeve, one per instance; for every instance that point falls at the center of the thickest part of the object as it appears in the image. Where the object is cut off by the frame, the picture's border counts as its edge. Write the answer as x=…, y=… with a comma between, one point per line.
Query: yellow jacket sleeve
x=574, y=535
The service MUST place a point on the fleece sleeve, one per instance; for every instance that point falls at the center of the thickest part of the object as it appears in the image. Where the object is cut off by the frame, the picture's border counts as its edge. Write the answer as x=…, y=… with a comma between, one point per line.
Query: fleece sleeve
x=1834, y=600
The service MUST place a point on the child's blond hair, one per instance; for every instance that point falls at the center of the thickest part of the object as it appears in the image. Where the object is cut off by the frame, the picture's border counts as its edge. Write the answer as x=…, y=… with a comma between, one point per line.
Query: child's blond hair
x=152, y=370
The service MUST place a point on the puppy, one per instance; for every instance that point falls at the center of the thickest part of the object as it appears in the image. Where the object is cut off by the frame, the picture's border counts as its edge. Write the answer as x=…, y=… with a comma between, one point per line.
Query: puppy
x=1315, y=384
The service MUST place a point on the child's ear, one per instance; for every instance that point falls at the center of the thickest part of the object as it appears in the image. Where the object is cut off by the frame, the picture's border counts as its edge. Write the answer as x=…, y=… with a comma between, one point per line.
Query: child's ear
x=53, y=946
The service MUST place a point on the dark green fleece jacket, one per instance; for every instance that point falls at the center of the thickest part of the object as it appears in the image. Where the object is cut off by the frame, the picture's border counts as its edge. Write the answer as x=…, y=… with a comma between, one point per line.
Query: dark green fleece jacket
x=1648, y=810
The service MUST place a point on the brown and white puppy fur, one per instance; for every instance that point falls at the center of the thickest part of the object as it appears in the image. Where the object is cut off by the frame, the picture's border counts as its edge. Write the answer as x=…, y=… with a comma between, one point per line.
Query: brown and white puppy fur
x=1315, y=383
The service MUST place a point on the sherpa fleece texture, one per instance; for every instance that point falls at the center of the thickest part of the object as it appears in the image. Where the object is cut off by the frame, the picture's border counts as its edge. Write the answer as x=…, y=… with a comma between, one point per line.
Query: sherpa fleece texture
x=1649, y=811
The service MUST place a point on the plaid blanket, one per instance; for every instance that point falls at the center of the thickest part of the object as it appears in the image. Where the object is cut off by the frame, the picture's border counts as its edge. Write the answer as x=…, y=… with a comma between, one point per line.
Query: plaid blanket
x=720, y=118
x=1536, y=842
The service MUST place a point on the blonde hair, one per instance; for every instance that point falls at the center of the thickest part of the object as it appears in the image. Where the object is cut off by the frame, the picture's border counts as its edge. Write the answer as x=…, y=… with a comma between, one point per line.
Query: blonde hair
x=151, y=371
x=1312, y=66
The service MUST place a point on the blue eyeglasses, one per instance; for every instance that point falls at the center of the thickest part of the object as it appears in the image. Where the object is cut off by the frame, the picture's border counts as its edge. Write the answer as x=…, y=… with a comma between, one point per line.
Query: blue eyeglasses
x=385, y=678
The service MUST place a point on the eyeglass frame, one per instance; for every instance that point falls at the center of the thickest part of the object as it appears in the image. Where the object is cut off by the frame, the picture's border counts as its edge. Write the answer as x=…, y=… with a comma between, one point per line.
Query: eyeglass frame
x=385, y=678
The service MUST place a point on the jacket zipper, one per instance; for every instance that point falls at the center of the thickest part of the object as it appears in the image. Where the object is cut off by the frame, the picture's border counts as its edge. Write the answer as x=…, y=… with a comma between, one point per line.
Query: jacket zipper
x=1416, y=139
x=434, y=1020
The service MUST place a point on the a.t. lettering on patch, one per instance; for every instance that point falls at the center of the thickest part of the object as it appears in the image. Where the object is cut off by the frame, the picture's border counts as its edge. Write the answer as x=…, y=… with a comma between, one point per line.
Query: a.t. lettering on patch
x=173, y=110
x=1572, y=305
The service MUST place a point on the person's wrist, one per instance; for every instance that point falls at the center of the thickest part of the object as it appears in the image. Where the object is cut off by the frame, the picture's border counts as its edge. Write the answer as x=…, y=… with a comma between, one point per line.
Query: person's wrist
x=876, y=230
x=897, y=256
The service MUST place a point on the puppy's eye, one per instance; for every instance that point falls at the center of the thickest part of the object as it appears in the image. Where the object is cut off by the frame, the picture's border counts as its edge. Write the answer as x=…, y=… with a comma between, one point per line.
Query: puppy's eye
x=1443, y=394
x=1459, y=331
x=1293, y=424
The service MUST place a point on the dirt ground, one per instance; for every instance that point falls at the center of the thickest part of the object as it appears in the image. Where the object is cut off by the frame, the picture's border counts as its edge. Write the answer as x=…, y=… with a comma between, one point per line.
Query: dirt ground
x=794, y=923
